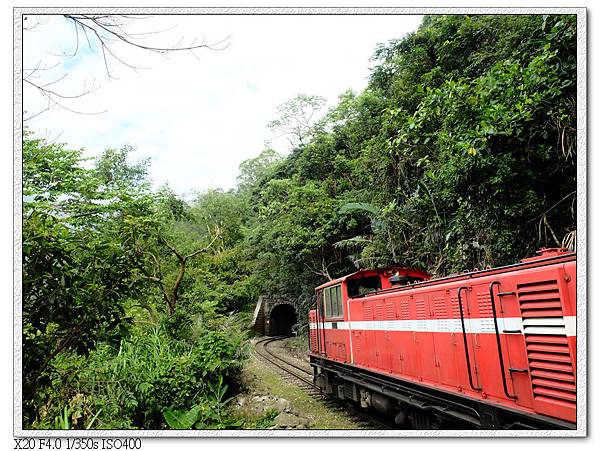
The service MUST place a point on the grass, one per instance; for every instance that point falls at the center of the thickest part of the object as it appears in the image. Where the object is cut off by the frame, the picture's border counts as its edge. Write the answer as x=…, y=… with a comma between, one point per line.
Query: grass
x=264, y=380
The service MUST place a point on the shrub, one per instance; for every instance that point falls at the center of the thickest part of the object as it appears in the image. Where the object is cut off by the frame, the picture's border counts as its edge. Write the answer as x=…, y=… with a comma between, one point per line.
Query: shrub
x=149, y=374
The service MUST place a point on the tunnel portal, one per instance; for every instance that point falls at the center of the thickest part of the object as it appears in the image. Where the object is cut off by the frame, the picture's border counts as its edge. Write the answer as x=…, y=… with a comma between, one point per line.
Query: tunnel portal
x=281, y=320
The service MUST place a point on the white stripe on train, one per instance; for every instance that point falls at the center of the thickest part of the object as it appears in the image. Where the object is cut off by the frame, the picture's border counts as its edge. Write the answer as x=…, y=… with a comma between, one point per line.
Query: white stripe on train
x=539, y=326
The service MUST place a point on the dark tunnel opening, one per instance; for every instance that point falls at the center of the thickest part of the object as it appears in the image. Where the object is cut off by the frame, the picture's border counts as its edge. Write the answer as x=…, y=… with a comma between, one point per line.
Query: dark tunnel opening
x=281, y=320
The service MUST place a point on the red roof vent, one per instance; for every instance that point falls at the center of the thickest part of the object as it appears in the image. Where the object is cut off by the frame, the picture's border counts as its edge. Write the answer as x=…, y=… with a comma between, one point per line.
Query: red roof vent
x=547, y=252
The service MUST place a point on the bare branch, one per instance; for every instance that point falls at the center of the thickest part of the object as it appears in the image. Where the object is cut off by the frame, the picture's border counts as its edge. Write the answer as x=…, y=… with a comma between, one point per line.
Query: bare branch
x=76, y=45
x=53, y=93
x=53, y=82
x=204, y=249
x=105, y=31
x=34, y=25
x=552, y=207
x=547, y=224
x=172, y=248
x=52, y=99
x=120, y=35
x=38, y=68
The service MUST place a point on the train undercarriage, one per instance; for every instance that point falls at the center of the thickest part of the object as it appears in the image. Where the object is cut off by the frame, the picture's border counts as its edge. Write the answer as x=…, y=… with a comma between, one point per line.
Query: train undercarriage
x=418, y=406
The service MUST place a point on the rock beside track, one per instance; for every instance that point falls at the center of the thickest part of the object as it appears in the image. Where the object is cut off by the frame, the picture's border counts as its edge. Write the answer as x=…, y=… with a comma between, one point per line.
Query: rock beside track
x=258, y=405
x=265, y=391
x=289, y=421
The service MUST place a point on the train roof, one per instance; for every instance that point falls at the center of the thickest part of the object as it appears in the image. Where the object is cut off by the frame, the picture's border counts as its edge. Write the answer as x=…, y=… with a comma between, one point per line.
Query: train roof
x=389, y=270
x=544, y=256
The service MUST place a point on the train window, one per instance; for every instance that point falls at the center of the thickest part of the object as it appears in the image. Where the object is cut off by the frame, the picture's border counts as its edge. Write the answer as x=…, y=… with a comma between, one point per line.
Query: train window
x=333, y=301
x=364, y=285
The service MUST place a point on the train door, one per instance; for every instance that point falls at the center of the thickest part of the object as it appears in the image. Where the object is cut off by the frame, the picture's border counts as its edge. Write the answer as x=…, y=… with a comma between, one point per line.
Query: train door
x=335, y=334
x=424, y=338
x=383, y=313
x=369, y=352
x=444, y=337
x=512, y=341
x=394, y=334
x=485, y=339
x=407, y=354
x=408, y=363
x=320, y=324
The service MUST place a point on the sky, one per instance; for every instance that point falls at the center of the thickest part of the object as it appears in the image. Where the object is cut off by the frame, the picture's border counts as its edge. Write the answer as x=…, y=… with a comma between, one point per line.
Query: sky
x=197, y=116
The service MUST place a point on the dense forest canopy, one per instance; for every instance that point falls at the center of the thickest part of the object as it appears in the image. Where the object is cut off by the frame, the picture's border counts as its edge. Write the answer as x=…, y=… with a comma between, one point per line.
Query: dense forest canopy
x=459, y=154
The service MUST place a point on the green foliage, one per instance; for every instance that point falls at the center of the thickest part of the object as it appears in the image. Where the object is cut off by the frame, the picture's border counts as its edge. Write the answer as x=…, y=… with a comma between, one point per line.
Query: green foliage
x=80, y=257
x=471, y=158
x=264, y=422
x=293, y=235
x=210, y=414
x=149, y=375
x=95, y=244
x=459, y=154
x=182, y=419
x=253, y=169
x=114, y=170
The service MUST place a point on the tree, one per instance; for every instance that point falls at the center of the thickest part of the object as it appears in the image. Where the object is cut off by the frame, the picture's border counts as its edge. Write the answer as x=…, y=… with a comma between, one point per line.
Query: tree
x=212, y=224
x=293, y=235
x=470, y=138
x=171, y=292
x=253, y=169
x=81, y=255
x=95, y=243
x=456, y=147
x=296, y=118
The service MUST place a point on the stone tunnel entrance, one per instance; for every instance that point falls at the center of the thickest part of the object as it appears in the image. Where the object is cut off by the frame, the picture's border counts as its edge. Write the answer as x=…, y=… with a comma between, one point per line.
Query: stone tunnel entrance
x=281, y=320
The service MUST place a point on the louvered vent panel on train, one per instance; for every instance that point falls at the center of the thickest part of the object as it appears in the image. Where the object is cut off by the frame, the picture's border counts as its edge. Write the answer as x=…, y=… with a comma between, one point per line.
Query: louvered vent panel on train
x=356, y=342
x=379, y=311
x=484, y=304
x=544, y=325
x=404, y=309
x=439, y=308
x=351, y=391
x=455, y=307
x=539, y=299
x=420, y=308
x=552, y=374
x=390, y=310
x=313, y=332
x=313, y=340
x=368, y=311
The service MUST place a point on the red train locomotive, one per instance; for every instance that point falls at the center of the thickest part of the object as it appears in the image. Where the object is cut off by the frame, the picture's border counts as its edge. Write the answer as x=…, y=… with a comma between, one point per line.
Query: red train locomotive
x=488, y=349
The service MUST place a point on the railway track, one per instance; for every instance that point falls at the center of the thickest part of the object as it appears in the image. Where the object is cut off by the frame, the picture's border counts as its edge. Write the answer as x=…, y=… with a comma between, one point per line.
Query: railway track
x=294, y=373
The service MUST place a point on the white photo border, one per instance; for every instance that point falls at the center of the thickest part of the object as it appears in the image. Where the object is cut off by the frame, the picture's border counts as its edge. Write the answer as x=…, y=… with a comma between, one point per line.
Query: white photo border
x=582, y=288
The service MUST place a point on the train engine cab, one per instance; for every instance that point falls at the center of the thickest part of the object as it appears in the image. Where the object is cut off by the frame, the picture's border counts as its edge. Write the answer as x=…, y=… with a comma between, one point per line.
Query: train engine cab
x=490, y=349
x=330, y=322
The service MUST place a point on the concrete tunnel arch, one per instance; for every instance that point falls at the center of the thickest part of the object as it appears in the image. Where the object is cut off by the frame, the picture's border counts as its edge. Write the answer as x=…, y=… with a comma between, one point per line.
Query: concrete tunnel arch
x=281, y=319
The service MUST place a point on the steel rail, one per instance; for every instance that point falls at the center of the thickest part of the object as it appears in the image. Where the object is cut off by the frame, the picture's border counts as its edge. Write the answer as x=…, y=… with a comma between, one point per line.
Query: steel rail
x=276, y=360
